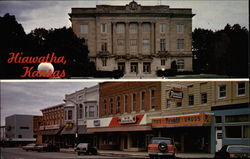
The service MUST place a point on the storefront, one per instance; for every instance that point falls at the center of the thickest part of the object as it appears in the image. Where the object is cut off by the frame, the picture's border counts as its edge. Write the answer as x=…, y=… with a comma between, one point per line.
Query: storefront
x=230, y=125
x=126, y=133
x=191, y=132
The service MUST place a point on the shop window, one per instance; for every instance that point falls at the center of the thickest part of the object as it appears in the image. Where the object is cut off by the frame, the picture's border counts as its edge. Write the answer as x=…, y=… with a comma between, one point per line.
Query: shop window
x=142, y=100
x=84, y=29
x=178, y=104
x=120, y=28
x=191, y=100
x=146, y=67
x=222, y=91
x=218, y=119
x=236, y=118
x=20, y=136
x=125, y=103
x=163, y=62
x=203, y=98
x=134, y=67
x=133, y=102
x=241, y=89
x=180, y=28
x=152, y=98
x=162, y=28
x=118, y=104
x=91, y=111
x=246, y=132
x=180, y=44
x=168, y=103
x=104, y=28
x=108, y=140
x=121, y=66
x=233, y=131
x=138, y=141
x=162, y=45
x=70, y=115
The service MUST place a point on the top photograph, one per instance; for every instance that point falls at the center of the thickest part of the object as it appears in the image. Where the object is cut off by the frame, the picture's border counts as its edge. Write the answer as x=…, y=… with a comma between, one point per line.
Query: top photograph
x=130, y=39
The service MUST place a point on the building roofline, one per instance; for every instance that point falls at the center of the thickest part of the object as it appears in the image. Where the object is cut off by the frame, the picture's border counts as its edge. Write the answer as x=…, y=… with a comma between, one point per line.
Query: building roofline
x=54, y=106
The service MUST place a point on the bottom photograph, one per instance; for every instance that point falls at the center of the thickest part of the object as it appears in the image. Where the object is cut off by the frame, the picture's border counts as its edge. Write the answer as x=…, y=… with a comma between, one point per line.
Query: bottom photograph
x=125, y=119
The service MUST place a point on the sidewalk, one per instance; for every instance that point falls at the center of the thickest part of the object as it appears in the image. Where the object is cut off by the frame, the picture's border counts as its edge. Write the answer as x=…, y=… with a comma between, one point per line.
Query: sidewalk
x=141, y=154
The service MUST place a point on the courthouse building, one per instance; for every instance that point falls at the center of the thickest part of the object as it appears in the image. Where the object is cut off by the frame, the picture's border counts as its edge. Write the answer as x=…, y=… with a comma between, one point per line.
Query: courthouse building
x=139, y=40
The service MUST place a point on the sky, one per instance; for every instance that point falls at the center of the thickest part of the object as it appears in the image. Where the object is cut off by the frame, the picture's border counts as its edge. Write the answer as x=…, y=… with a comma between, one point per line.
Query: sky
x=30, y=97
x=210, y=14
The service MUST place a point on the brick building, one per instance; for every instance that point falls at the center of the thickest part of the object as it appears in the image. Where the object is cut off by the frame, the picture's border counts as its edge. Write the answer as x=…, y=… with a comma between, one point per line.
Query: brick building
x=139, y=40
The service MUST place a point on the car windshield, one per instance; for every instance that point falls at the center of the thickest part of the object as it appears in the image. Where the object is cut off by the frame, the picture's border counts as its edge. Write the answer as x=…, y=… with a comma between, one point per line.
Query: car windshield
x=157, y=141
x=245, y=149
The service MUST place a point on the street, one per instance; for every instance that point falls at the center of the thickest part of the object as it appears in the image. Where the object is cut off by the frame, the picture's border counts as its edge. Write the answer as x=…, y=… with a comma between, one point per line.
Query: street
x=18, y=153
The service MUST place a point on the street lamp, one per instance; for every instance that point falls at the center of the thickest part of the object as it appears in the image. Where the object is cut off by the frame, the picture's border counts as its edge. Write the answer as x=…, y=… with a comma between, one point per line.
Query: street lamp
x=163, y=69
x=76, y=132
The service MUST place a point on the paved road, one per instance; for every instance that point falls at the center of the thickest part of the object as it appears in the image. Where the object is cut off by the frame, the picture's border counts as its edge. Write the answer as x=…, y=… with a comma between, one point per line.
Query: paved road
x=18, y=153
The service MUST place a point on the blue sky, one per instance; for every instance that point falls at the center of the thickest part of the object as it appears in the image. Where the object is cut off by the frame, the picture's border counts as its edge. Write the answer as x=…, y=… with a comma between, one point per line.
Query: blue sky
x=210, y=14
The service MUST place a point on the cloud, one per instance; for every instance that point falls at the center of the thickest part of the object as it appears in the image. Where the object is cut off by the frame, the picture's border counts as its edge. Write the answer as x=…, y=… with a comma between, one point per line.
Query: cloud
x=30, y=97
x=54, y=14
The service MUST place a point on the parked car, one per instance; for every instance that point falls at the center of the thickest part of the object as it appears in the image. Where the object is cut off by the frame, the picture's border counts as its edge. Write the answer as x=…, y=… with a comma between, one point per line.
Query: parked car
x=162, y=147
x=29, y=147
x=233, y=151
x=46, y=147
x=85, y=148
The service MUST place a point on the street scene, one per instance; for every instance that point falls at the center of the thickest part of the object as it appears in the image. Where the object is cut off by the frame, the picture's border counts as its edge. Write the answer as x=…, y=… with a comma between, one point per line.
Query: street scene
x=128, y=119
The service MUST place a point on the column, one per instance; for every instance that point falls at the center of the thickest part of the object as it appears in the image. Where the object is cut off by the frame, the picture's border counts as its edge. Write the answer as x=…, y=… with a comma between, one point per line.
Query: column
x=152, y=38
x=126, y=37
x=113, y=43
x=139, y=38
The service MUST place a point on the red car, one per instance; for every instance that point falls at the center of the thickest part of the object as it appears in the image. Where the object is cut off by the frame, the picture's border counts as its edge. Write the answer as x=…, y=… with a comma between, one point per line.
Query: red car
x=161, y=147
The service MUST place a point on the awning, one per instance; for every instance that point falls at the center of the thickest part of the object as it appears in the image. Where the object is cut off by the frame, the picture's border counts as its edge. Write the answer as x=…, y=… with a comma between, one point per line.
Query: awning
x=120, y=129
x=49, y=132
x=81, y=130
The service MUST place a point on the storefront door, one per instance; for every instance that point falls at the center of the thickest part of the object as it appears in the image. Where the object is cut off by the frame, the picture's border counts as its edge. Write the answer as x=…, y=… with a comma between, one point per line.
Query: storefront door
x=125, y=142
x=218, y=139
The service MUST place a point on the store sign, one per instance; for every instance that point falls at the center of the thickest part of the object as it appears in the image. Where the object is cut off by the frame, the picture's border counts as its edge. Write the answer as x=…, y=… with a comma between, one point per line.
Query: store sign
x=176, y=94
x=69, y=125
x=97, y=122
x=185, y=120
x=50, y=127
x=127, y=119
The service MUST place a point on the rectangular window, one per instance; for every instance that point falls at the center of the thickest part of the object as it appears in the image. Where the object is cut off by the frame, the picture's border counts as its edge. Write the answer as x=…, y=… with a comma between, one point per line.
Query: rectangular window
x=121, y=66
x=162, y=28
x=236, y=118
x=70, y=115
x=104, y=61
x=120, y=28
x=163, y=62
x=84, y=28
x=178, y=104
x=180, y=64
x=125, y=103
x=222, y=91
x=105, y=106
x=162, y=45
x=203, y=98
x=145, y=27
x=120, y=42
x=24, y=127
x=143, y=100
x=146, y=45
x=180, y=44
x=104, y=28
x=168, y=103
x=134, y=102
x=152, y=98
x=91, y=111
x=134, y=67
x=180, y=28
x=111, y=105
x=146, y=67
x=191, y=100
x=133, y=45
x=80, y=112
x=86, y=111
x=233, y=131
x=246, y=131
x=241, y=89
x=118, y=104
x=133, y=28
x=104, y=46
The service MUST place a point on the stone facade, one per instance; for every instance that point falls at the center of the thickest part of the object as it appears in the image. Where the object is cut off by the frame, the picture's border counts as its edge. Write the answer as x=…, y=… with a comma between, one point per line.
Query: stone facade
x=138, y=40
